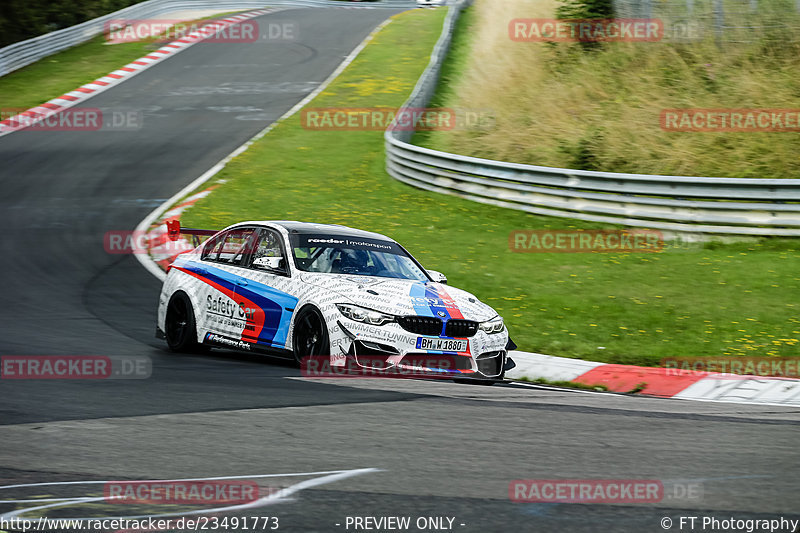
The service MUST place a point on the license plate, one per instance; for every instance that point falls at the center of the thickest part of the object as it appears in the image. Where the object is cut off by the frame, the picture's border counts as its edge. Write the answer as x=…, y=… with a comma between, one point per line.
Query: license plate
x=442, y=345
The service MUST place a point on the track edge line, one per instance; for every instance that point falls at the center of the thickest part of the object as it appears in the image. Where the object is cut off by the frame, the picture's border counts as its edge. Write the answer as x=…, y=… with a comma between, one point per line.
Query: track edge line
x=146, y=261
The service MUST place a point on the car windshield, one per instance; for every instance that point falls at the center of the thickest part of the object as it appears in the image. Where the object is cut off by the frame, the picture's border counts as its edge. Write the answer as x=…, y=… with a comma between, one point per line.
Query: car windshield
x=336, y=254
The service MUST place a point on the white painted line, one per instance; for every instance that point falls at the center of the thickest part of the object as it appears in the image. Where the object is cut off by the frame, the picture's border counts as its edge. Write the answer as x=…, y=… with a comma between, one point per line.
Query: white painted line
x=272, y=498
x=145, y=259
x=536, y=365
x=738, y=402
x=95, y=482
x=556, y=388
x=168, y=50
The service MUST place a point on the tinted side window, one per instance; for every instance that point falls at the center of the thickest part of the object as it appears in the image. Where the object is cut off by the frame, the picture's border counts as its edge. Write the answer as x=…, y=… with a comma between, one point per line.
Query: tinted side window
x=269, y=253
x=231, y=246
x=212, y=247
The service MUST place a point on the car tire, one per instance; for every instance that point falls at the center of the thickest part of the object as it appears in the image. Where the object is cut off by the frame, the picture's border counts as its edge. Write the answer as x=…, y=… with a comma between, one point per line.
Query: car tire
x=180, y=329
x=310, y=335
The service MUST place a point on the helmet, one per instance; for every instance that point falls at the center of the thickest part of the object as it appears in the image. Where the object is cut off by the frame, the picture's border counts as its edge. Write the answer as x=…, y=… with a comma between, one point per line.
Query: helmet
x=353, y=261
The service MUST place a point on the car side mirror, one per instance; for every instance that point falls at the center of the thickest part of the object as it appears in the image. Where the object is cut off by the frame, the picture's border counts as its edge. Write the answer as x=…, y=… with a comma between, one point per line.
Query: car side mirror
x=269, y=263
x=438, y=277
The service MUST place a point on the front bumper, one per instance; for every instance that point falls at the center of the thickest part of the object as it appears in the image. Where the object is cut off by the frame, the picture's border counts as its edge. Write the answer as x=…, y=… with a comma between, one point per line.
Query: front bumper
x=391, y=349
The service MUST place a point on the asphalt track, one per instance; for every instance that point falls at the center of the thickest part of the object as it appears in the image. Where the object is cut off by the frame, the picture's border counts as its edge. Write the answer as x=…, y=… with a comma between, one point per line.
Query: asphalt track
x=441, y=449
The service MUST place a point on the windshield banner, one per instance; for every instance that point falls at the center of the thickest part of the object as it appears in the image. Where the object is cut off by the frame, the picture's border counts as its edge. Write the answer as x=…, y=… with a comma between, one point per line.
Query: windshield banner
x=339, y=241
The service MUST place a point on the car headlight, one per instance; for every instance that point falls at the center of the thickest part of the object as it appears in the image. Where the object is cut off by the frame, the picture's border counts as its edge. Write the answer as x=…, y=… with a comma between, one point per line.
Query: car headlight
x=367, y=316
x=494, y=325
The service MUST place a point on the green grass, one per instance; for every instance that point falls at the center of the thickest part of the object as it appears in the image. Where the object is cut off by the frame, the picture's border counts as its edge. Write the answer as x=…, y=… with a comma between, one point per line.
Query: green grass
x=555, y=104
x=712, y=300
x=65, y=71
x=455, y=63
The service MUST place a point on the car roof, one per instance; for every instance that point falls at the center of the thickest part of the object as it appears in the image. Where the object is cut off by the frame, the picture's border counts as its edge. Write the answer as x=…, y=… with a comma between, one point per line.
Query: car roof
x=296, y=228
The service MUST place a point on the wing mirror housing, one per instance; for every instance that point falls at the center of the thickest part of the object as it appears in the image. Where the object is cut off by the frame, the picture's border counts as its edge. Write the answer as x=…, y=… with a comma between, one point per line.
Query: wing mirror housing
x=438, y=277
x=269, y=263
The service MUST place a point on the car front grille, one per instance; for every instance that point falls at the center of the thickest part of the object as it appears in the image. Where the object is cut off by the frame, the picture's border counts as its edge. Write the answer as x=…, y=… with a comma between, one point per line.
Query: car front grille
x=427, y=325
x=460, y=328
x=421, y=325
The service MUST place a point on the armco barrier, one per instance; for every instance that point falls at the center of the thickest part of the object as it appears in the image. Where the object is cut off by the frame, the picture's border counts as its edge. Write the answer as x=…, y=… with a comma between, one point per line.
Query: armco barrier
x=18, y=55
x=677, y=203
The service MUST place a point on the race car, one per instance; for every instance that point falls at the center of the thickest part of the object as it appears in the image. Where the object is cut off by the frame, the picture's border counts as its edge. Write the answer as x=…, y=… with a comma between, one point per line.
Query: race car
x=354, y=298
x=431, y=3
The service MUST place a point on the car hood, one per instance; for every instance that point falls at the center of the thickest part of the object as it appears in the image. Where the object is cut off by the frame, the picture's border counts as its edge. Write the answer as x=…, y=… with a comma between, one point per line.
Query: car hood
x=403, y=297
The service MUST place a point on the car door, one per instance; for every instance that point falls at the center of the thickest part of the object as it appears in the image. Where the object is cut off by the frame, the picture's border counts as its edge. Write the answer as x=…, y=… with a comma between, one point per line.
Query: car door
x=220, y=270
x=264, y=292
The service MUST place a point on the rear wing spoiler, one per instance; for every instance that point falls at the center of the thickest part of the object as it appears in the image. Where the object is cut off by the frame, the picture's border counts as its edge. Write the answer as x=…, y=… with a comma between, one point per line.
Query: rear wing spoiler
x=174, y=231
